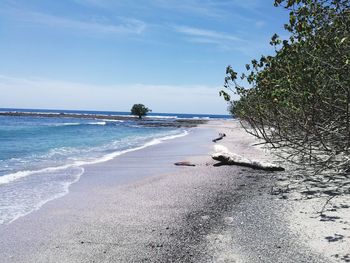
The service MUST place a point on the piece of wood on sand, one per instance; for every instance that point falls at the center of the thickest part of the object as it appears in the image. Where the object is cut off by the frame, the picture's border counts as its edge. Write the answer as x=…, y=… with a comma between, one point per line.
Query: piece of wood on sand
x=225, y=157
x=184, y=163
x=221, y=136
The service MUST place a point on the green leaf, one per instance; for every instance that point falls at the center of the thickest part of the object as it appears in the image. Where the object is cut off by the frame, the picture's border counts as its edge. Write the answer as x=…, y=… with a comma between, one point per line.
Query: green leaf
x=225, y=95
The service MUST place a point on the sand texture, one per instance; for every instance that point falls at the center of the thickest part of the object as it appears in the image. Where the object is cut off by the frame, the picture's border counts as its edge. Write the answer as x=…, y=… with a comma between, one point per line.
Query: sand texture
x=140, y=207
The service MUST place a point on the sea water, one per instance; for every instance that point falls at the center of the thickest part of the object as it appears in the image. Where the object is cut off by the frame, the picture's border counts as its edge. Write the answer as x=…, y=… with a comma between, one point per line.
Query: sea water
x=41, y=157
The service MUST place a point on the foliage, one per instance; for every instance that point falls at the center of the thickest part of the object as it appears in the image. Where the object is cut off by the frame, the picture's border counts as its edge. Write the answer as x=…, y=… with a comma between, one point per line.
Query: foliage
x=299, y=98
x=139, y=110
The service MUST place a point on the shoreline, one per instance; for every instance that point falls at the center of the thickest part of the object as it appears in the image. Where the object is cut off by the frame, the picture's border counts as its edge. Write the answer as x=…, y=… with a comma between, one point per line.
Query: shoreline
x=17, y=234
x=140, y=207
x=9, y=178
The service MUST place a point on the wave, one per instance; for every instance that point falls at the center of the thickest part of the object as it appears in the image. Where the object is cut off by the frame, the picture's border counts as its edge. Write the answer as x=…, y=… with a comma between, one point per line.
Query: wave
x=67, y=124
x=177, y=117
x=161, y=117
x=112, y=120
x=8, y=178
x=113, y=155
x=201, y=118
x=97, y=123
x=78, y=123
x=20, y=211
x=50, y=183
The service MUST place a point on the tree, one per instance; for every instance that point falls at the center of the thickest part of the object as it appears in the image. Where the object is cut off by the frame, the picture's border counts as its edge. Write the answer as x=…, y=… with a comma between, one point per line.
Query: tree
x=139, y=110
x=298, y=100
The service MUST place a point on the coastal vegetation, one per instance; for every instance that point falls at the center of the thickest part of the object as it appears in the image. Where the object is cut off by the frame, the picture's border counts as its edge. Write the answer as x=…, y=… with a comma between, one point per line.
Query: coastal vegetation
x=298, y=99
x=139, y=110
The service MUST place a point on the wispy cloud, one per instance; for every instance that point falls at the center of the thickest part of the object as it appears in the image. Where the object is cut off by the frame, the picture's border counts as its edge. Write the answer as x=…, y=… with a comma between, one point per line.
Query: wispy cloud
x=203, y=8
x=94, y=3
x=90, y=25
x=260, y=24
x=247, y=12
x=246, y=4
x=208, y=8
x=212, y=8
x=204, y=36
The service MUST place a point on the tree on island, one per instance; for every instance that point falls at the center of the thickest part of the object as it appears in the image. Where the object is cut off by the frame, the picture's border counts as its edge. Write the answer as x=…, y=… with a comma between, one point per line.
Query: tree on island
x=140, y=110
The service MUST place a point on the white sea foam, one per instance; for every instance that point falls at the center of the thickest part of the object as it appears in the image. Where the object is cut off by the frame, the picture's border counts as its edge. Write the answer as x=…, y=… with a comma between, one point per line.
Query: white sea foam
x=18, y=212
x=97, y=123
x=111, y=120
x=11, y=210
x=161, y=117
x=78, y=123
x=201, y=118
x=67, y=124
x=8, y=178
x=111, y=156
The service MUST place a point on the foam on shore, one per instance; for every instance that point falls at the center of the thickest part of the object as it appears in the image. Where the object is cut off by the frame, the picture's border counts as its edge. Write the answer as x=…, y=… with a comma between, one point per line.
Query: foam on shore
x=51, y=182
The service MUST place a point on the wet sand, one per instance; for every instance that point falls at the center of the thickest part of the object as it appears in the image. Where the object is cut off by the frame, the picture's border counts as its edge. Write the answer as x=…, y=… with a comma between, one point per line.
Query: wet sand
x=140, y=207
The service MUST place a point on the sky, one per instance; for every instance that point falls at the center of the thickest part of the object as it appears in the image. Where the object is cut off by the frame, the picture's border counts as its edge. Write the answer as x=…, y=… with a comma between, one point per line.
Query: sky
x=170, y=55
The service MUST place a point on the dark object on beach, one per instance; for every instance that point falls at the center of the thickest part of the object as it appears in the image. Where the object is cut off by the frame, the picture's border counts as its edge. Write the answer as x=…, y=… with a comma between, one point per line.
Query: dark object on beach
x=221, y=136
x=185, y=163
x=227, y=158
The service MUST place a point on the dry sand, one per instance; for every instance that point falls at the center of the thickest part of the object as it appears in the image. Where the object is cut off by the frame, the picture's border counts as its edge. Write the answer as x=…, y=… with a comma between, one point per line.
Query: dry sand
x=328, y=236
x=140, y=207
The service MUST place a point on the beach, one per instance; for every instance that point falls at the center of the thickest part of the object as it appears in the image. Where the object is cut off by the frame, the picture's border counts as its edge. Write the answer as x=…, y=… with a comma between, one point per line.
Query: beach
x=140, y=207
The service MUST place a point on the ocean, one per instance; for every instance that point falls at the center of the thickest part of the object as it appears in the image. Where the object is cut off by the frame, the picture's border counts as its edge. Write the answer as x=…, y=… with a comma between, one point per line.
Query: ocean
x=41, y=157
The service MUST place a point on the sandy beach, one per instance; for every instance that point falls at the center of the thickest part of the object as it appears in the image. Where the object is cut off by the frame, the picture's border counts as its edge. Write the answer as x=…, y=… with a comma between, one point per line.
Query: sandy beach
x=140, y=207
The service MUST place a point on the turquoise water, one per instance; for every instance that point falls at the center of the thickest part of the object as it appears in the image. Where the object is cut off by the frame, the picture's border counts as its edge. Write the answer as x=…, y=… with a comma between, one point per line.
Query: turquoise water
x=41, y=157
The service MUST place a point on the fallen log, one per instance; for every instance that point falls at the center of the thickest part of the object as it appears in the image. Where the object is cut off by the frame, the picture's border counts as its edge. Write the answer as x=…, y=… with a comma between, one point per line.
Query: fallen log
x=184, y=163
x=221, y=136
x=227, y=158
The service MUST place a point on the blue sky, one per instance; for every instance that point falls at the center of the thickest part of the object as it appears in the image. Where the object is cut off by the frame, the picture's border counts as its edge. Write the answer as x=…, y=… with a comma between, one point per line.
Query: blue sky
x=170, y=55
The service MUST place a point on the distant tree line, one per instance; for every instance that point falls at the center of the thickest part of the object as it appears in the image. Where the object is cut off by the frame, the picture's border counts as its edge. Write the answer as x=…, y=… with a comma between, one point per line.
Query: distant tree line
x=298, y=100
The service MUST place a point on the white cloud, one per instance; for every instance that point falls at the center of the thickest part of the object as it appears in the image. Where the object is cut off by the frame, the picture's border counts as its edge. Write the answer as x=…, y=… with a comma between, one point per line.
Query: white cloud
x=101, y=25
x=260, y=24
x=212, y=9
x=52, y=94
x=223, y=41
x=205, y=34
x=94, y=3
x=203, y=8
x=206, y=8
x=247, y=4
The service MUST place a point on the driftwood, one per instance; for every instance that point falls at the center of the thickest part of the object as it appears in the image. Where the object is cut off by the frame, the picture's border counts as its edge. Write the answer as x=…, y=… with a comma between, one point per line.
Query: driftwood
x=184, y=163
x=221, y=136
x=227, y=158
